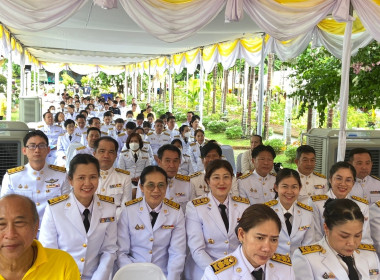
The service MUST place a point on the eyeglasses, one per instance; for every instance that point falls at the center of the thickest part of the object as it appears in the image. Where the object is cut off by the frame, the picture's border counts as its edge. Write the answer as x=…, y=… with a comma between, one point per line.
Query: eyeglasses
x=39, y=146
x=152, y=186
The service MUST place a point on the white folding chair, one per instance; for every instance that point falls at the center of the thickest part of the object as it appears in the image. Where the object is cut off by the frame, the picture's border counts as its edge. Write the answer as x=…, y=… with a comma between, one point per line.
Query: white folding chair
x=238, y=163
x=70, y=153
x=139, y=271
x=228, y=153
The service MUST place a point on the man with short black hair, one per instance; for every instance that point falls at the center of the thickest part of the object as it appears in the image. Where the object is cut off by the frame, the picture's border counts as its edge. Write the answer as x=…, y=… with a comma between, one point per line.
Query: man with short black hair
x=114, y=109
x=366, y=185
x=313, y=183
x=158, y=137
x=258, y=186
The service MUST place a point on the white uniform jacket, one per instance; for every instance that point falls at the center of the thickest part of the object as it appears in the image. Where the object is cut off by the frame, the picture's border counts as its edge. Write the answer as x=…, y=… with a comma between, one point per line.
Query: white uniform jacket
x=95, y=251
x=318, y=201
x=374, y=221
x=52, y=132
x=156, y=141
x=247, y=165
x=127, y=162
x=368, y=188
x=63, y=145
x=207, y=237
x=116, y=183
x=186, y=166
x=40, y=186
x=163, y=245
x=313, y=184
x=234, y=268
x=200, y=188
x=319, y=262
x=302, y=227
x=256, y=188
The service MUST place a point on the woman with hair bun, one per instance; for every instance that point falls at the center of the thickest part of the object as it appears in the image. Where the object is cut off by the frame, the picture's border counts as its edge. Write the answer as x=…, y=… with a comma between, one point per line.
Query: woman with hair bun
x=339, y=254
x=258, y=232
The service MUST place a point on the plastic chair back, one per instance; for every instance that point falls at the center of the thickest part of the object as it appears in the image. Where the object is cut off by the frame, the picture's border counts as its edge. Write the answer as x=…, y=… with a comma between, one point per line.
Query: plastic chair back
x=228, y=153
x=238, y=163
x=139, y=271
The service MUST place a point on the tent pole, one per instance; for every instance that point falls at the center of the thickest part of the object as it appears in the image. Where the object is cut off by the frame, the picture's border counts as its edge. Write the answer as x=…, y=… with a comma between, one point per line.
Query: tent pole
x=261, y=91
x=125, y=82
x=22, y=73
x=9, y=86
x=56, y=84
x=201, y=97
x=344, y=88
x=149, y=83
x=170, y=80
x=245, y=97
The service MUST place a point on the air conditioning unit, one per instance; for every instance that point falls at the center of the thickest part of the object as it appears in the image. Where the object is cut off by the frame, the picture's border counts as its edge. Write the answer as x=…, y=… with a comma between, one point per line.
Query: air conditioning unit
x=11, y=142
x=325, y=143
x=30, y=109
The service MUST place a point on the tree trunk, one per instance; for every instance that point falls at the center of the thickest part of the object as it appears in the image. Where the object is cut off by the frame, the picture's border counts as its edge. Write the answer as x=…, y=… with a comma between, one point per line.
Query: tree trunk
x=268, y=96
x=330, y=116
x=251, y=88
x=309, y=117
x=225, y=90
x=214, y=77
x=233, y=78
x=173, y=81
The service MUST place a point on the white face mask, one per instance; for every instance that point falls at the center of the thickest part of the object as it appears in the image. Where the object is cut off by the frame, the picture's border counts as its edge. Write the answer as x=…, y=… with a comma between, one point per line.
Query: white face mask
x=52, y=111
x=187, y=134
x=134, y=146
x=130, y=120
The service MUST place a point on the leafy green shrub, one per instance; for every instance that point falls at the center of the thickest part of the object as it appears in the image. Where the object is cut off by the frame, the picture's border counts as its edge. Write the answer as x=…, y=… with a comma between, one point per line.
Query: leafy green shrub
x=290, y=153
x=277, y=144
x=217, y=126
x=207, y=119
x=233, y=123
x=234, y=132
x=179, y=116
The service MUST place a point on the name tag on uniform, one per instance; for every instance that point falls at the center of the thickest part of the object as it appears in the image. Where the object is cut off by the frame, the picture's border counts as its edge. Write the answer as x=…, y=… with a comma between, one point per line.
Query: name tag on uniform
x=374, y=192
x=373, y=272
x=115, y=186
x=180, y=194
x=304, y=227
x=107, y=220
x=51, y=186
x=167, y=227
x=318, y=187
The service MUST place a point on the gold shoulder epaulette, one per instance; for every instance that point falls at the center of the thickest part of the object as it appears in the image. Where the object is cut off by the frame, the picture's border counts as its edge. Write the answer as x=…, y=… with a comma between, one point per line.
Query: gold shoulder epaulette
x=367, y=247
x=146, y=142
x=61, y=134
x=121, y=134
x=176, y=136
x=80, y=148
x=57, y=168
x=273, y=173
x=374, y=177
x=319, y=175
x=167, y=134
x=241, y=199
x=271, y=203
x=182, y=177
x=58, y=126
x=122, y=171
x=185, y=155
x=311, y=249
x=195, y=174
x=149, y=133
x=16, y=169
x=40, y=126
x=223, y=264
x=378, y=203
x=172, y=204
x=110, y=128
x=305, y=206
x=105, y=198
x=200, y=201
x=133, y=201
x=245, y=176
x=105, y=133
x=357, y=198
x=58, y=199
x=319, y=197
x=281, y=259
x=192, y=144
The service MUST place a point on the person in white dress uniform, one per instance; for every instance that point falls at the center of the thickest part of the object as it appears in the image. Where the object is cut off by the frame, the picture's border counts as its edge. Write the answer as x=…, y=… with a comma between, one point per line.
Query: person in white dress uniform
x=152, y=228
x=209, y=152
x=366, y=185
x=83, y=223
x=247, y=165
x=313, y=183
x=92, y=135
x=184, y=136
x=37, y=180
x=134, y=159
x=257, y=186
x=374, y=221
x=186, y=166
x=113, y=182
x=341, y=180
x=195, y=150
x=158, y=137
x=52, y=132
x=211, y=220
x=296, y=217
x=81, y=124
x=65, y=140
x=339, y=254
x=258, y=232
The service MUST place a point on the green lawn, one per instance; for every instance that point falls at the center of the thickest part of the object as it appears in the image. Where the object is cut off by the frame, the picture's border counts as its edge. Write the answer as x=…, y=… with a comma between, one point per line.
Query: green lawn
x=221, y=138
